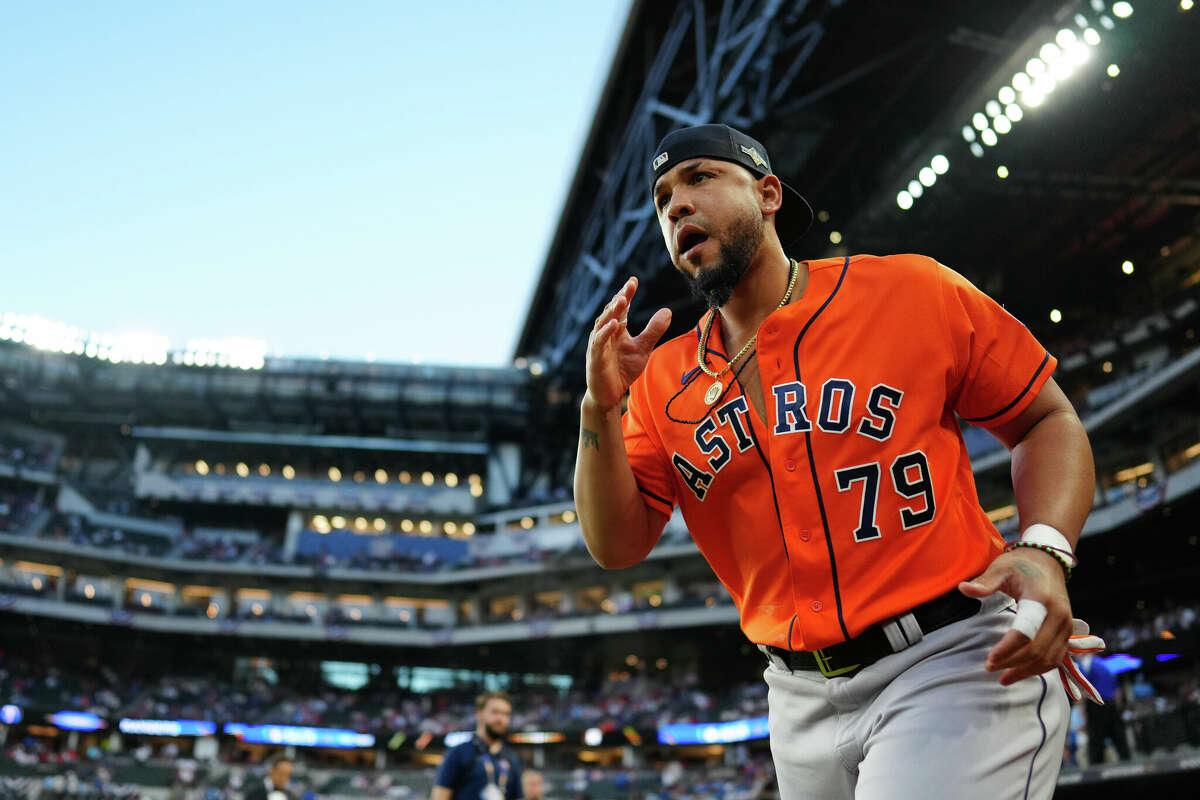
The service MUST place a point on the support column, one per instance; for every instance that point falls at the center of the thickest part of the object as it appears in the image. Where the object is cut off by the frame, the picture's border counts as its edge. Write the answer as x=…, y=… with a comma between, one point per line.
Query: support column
x=291, y=536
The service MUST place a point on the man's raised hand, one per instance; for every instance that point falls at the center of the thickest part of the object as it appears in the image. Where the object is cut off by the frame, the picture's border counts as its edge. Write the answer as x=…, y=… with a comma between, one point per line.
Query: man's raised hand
x=614, y=358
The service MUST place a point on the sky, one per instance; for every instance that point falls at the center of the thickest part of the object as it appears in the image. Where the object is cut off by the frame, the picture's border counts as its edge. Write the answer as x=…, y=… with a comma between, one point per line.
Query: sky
x=351, y=180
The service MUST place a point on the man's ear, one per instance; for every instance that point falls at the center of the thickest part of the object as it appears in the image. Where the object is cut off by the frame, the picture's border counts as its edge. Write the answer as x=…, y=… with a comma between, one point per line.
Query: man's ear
x=770, y=194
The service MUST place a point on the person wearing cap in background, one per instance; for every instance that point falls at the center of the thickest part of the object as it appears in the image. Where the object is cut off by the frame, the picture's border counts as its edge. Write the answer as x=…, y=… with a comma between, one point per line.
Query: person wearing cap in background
x=274, y=785
x=807, y=428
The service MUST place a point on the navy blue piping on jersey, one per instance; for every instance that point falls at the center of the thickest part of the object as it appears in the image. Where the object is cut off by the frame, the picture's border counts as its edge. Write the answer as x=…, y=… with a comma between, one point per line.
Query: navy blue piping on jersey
x=774, y=497
x=1042, y=743
x=812, y=464
x=652, y=495
x=1016, y=399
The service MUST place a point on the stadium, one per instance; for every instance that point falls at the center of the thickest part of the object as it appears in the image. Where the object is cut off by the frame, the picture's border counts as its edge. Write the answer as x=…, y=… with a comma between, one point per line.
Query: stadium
x=211, y=555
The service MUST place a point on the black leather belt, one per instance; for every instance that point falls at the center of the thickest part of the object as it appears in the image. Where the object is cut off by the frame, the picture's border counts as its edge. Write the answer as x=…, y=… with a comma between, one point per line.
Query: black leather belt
x=881, y=639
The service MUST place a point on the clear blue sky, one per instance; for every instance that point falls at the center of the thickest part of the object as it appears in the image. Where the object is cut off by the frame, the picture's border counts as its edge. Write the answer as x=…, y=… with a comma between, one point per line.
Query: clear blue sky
x=350, y=178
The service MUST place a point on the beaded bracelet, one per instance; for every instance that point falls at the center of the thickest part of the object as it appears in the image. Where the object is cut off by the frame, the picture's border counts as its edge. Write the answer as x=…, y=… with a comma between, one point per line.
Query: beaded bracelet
x=1051, y=551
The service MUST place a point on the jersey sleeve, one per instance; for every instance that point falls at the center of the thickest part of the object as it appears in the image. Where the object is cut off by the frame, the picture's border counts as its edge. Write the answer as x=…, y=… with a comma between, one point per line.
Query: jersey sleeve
x=999, y=367
x=448, y=773
x=647, y=456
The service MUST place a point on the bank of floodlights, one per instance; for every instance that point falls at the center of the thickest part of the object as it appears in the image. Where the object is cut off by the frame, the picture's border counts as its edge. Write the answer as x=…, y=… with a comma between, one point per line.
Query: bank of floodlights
x=58, y=337
x=1049, y=67
x=237, y=353
x=129, y=348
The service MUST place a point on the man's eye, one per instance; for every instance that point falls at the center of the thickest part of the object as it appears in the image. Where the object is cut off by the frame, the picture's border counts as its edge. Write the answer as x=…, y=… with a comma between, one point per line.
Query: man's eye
x=662, y=201
x=698, y=175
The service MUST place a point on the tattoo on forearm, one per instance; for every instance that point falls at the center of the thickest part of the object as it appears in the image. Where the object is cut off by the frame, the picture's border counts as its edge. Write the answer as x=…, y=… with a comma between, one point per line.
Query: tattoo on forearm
x=590, y=439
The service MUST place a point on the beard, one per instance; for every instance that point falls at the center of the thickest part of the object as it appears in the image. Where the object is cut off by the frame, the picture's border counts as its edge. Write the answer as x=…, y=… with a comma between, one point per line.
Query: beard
x=714, y=285
x=496, y=731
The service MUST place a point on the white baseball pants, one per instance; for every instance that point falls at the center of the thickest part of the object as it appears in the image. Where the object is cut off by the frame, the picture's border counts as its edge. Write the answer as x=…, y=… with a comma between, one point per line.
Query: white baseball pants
x=928, y=723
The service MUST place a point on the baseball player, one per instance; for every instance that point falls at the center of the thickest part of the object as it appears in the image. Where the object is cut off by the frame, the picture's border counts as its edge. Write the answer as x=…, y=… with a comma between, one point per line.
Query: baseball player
x=807, y=428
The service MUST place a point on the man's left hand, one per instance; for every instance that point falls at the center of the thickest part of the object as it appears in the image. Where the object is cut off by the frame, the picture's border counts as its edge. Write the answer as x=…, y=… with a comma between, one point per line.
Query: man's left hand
x=1027, y=574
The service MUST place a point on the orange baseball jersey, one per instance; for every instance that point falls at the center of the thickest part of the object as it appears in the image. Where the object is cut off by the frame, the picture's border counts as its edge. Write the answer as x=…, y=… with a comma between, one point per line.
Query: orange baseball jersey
x=853, y=500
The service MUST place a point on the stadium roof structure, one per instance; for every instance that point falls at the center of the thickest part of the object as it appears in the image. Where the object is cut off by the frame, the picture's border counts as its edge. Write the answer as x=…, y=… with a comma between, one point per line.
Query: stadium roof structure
x=910, y=128
x=298, y=402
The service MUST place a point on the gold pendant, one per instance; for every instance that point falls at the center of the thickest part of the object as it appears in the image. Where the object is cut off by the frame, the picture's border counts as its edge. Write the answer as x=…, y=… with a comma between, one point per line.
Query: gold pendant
x=713, y=392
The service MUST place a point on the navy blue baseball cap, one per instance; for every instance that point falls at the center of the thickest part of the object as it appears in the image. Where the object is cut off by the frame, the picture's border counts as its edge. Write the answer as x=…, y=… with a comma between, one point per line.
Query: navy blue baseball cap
x=729, y=144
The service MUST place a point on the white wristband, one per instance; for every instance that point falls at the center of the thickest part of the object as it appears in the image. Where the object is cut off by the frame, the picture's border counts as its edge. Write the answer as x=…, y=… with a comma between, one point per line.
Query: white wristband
x=1047, y=535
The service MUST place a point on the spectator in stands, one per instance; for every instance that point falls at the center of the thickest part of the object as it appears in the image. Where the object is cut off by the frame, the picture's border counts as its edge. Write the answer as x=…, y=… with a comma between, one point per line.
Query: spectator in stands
x=532, y=785
x=274, y=786
x=1103, y=721
x=483, y=767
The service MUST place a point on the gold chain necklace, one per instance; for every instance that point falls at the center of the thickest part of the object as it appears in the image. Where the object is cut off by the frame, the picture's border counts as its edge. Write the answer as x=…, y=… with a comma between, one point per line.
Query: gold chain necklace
x=715, y=390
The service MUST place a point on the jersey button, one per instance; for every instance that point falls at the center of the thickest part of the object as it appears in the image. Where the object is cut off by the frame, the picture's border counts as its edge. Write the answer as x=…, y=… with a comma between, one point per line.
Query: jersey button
x=805, y=535
x=790, y=465
x=816, y=605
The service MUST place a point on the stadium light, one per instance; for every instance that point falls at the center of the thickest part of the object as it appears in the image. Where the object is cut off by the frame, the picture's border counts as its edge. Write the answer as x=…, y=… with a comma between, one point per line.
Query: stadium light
x=338, y=522
x=1003, y=125
x=968, y=133
x=381, y=476
x=1107, y=23
x=335, y=474
x=928, y=177
x=989, y=137
x=1014, y=112
x=1021, y=82
x=427, y=478
x=1113, y=70
x=1002, y=172
x=904, y=200
x=1035, y=67
x=915, y=188
x=1185, y=5
x=1127, y=267
x=1091, y=36
x=940, y=164
x=468, y=528
x=451, y=480
x=426, y=527
x=289, y=472
x=979, y=121
x=1055, y=315
x=380, y=524
x=992, y=108
x=1006, y=95
x=1050, y=52
x=835, y=237
x=977, y=149
x=1122, y=10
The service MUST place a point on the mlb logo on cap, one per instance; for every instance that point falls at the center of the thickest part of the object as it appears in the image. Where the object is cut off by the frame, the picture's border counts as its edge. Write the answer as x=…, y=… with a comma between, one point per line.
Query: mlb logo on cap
x=658, y=162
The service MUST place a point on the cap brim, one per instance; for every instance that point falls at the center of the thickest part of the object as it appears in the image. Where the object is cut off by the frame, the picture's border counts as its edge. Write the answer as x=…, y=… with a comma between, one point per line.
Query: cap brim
x=794, y=217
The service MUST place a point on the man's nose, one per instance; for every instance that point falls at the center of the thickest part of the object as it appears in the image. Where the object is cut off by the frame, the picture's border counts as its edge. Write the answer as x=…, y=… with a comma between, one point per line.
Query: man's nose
x=679, y=207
